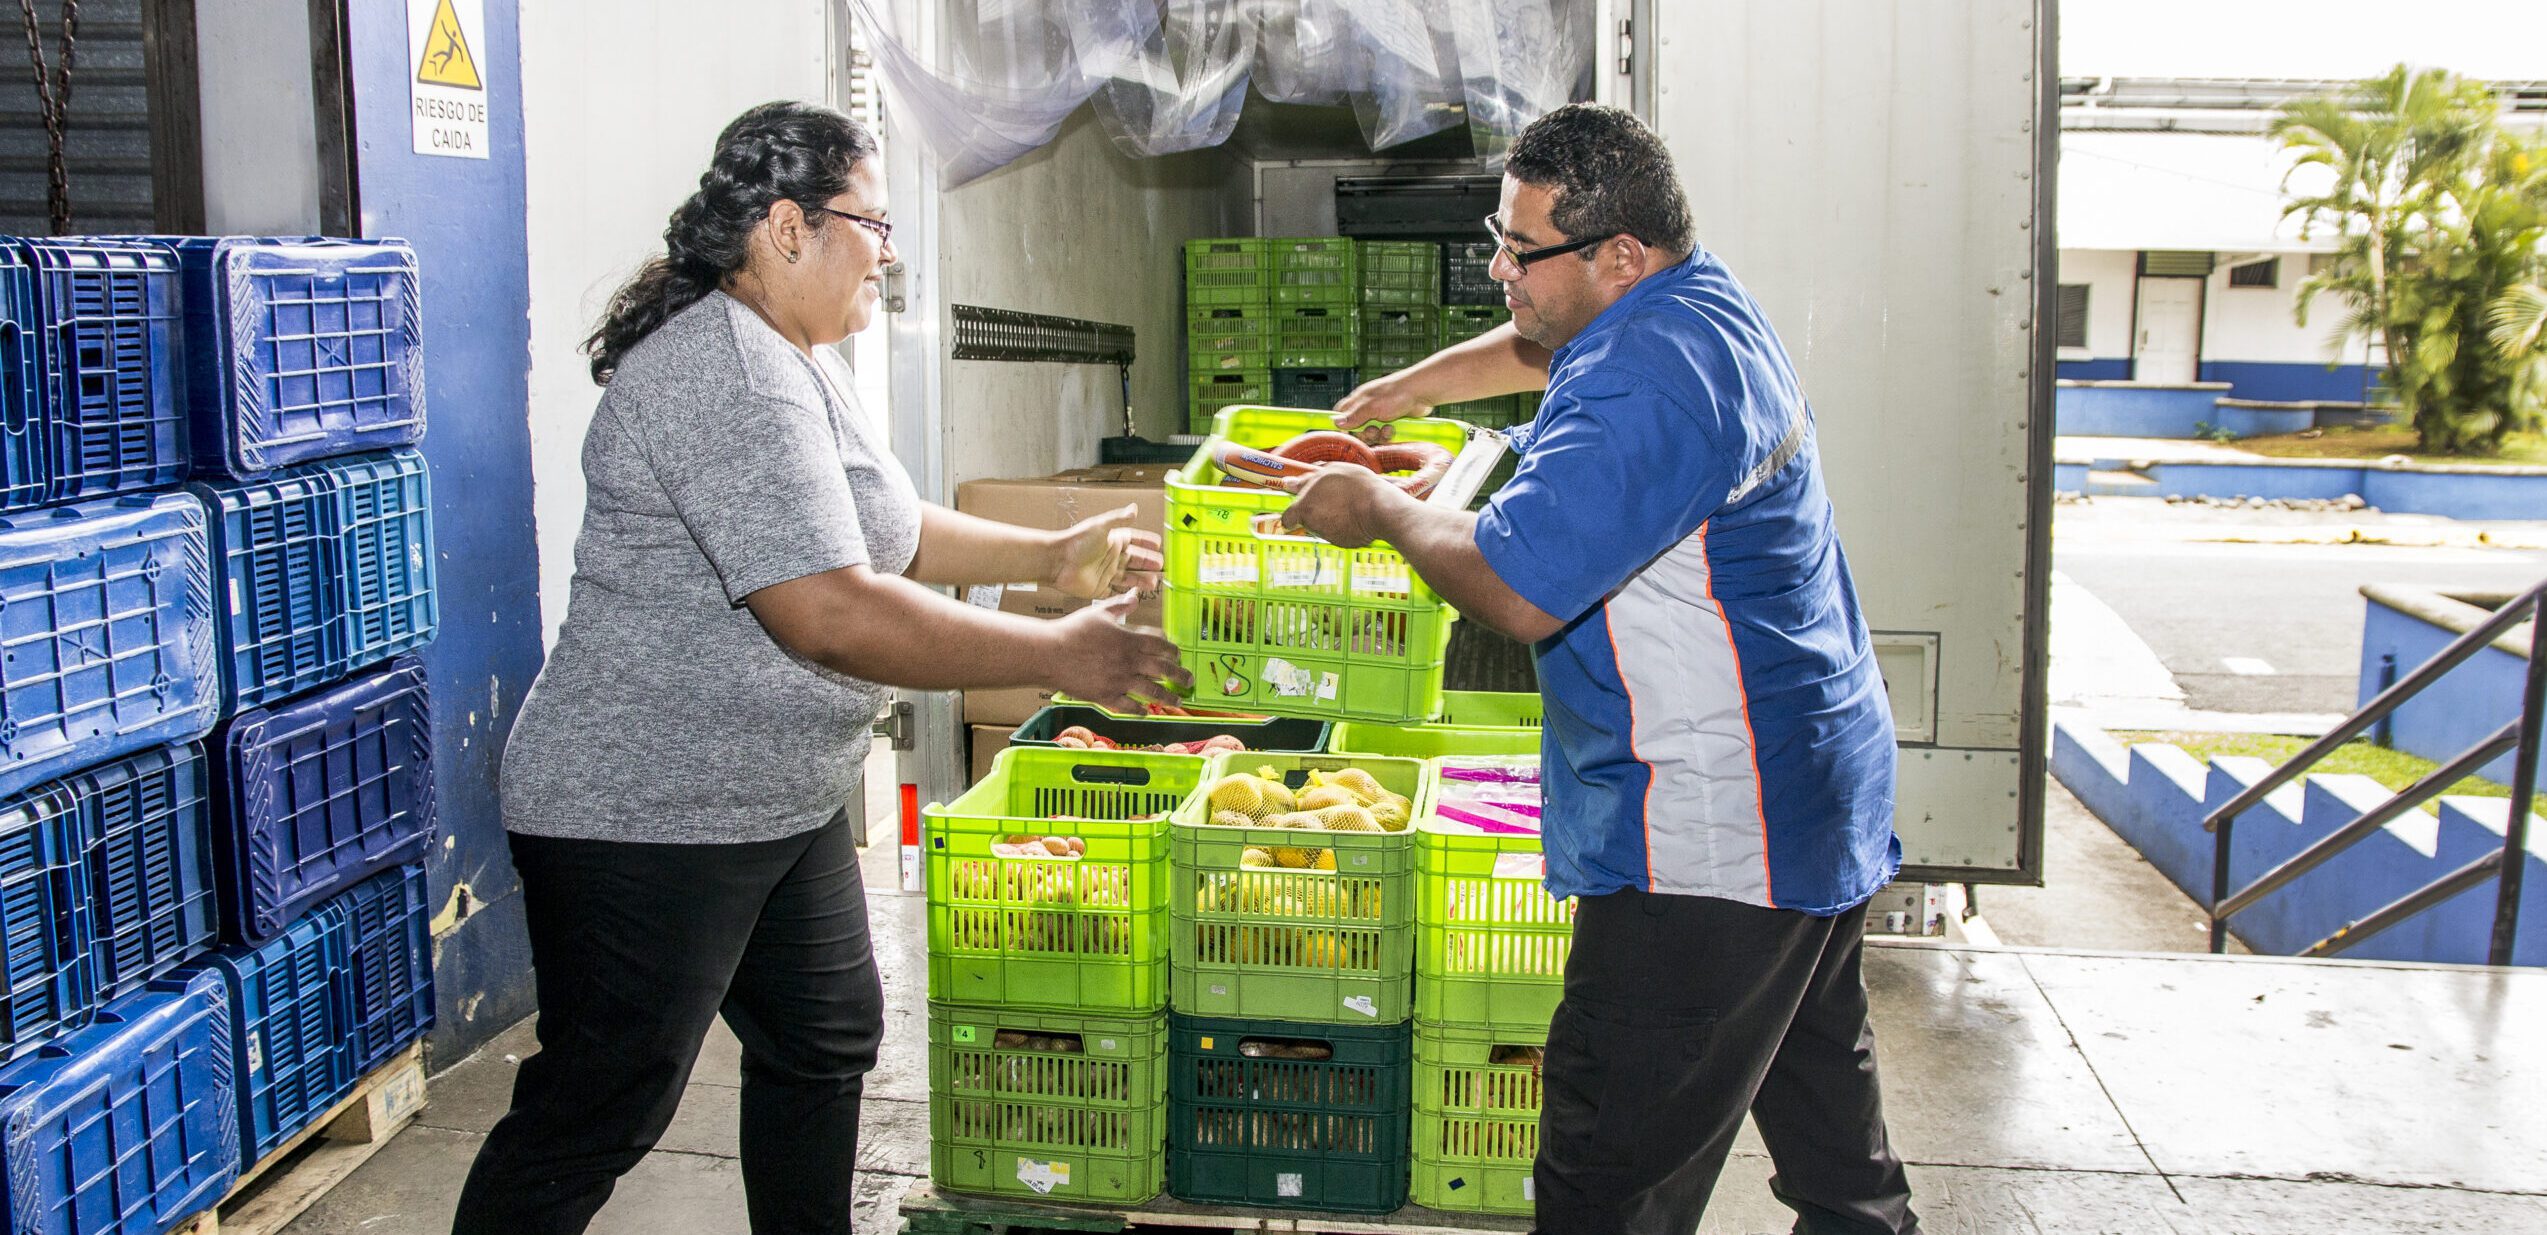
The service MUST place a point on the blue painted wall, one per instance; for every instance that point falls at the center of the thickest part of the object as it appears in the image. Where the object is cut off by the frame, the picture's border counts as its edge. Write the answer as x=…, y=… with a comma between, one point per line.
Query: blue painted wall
x=2474, y=496
x=2101, y=369
x=465, y=217
x=2285, y=382
x=2155, y=796
x=2468, y=704
x=2134, y=411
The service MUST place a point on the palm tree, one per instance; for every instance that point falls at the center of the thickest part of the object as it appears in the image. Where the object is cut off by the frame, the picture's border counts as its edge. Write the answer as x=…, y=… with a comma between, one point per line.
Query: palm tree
x=2397, y=149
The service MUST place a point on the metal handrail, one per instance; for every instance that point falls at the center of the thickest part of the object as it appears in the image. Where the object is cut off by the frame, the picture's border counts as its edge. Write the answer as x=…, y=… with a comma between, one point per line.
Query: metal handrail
x=2522, y=737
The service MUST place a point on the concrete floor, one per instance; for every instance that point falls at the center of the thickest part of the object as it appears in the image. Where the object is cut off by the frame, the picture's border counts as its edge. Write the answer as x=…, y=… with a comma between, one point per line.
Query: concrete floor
x=2033, y=1090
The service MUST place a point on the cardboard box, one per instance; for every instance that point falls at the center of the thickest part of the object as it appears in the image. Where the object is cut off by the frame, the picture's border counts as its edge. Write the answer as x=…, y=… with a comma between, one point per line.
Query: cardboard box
x=1051, y=503
x=988, y=741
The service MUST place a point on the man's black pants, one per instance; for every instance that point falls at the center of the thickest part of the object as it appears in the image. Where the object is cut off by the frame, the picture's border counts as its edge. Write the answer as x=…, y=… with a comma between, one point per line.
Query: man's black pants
x=1682, y=1012
x=638, y=948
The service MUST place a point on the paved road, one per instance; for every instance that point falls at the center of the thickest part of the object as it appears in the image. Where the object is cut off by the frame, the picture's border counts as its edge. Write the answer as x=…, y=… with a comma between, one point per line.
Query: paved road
x=2257, y=627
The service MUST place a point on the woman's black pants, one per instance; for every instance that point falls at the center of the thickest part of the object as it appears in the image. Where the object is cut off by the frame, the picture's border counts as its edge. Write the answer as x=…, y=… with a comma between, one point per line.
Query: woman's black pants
x=638, y=947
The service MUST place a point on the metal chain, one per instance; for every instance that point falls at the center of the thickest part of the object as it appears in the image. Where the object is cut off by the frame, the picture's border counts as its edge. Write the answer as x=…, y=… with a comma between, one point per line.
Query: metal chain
x=53, y=102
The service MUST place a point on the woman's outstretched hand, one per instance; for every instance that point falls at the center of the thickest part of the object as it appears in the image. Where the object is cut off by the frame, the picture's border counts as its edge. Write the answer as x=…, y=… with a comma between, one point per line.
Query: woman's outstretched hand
x=1101, y=556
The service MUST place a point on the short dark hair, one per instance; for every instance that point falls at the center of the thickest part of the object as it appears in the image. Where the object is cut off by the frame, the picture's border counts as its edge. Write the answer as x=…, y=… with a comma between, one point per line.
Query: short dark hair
x=1611, y=174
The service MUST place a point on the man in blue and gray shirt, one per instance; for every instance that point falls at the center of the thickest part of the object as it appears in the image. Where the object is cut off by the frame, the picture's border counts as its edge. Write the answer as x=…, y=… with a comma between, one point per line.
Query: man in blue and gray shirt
x=1718, y=748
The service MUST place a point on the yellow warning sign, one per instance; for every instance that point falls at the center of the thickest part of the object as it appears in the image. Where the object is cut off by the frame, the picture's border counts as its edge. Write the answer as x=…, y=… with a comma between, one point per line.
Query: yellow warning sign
x=446, y=60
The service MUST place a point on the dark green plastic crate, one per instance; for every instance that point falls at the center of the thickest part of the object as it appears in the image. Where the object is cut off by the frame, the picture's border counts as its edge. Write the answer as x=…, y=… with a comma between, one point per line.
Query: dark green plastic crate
x=1278, y=734
x=1247, y=1128
x=1312, y=388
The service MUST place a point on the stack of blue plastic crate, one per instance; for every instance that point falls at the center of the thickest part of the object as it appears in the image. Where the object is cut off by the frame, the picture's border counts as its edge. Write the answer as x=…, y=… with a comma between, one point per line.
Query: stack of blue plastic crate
x=210, y=731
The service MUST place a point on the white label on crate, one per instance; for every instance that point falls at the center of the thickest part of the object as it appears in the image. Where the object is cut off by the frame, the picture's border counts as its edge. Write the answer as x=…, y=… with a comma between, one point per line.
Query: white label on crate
x=415, y=558
x=1220, y=990
x=983, y=595
x=1297, y=576
x=1109, y=1045
x=1380, y=579
x=1363, y=1005
x=1326, y=687
x=1043, y=1177
x=1286, y=678
x=235, y=606
x=1221, y=572
x=1530, y=1190
x=256, y=1051
x=1521, y=866
x=1288, y=1184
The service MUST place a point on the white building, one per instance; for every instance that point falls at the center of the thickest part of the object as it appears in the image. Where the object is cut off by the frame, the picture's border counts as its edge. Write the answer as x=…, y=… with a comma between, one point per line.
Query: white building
x=2176, y=264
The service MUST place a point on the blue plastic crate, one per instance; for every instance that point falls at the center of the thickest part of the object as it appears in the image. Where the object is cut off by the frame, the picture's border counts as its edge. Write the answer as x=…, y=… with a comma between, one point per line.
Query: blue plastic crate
x=45, y=929
x=276, y=557
x=24, y=474
x=390, y=944
x=127, y=1127
x=146, y=832
x=289, y=1022
x=318, y=793
x=384, y=513
x=300, y=349
x=106, y=614
x=113, y=415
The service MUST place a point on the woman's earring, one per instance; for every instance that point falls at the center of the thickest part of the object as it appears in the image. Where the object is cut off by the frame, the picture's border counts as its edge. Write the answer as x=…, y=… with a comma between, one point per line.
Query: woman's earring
x=791, y=257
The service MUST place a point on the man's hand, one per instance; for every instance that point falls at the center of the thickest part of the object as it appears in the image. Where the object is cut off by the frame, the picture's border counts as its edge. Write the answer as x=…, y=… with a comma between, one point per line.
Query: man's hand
x=1377, y=401
x=1347, y=506
x=1098, y=557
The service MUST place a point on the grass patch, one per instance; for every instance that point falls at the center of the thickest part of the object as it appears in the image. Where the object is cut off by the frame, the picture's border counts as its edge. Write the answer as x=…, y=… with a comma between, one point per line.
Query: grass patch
x=2352, y=443
x=2393, y=768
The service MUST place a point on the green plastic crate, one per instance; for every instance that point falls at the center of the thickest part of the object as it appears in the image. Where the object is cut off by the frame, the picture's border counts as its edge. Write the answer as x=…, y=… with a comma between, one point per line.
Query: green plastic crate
x=1215, y=391
x=1233, y=271
x=1085, y=933
x=1460, y=323
x=1229, y=340
x=1396, y=338
x=1290, y=624
x=1471, y=723
x=1401, y=272
x=1317, y=270
x=1317, y=337
x=1476, y=1120
x=1490, y=943
x=1499, y=412
x=1299, y=944
x=1058, y=1106
x=1256, y=1117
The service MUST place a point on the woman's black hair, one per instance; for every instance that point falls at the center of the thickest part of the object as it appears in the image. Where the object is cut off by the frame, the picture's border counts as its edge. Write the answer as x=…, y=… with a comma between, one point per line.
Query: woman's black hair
x=798, y=151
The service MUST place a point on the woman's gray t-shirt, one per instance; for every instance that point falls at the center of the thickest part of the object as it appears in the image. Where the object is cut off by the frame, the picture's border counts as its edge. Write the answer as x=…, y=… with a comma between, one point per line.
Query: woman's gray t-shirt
x=718, y=463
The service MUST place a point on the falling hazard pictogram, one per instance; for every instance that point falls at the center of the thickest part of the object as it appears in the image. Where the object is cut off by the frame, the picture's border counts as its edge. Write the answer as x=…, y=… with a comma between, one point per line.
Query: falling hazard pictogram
x=446, y=60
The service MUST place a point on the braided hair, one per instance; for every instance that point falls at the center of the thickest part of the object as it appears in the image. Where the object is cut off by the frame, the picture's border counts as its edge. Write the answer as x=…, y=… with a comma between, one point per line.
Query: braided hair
x=794, y=151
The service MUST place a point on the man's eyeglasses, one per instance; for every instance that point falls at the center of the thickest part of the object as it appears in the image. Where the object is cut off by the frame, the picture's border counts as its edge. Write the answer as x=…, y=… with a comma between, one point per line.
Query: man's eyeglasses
x=1522, y=258
x=882, y=229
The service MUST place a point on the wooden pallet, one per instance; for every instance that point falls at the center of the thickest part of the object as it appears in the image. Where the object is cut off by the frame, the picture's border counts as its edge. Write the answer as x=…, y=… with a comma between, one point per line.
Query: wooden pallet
x=301, y=1170
x=927, y=1211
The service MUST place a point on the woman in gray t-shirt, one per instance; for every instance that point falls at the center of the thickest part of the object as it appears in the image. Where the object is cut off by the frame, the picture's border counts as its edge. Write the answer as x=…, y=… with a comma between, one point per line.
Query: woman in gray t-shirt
x=748, y=585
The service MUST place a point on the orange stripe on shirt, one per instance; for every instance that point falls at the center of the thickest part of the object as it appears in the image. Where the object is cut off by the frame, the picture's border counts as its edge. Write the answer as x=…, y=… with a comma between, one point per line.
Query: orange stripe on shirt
x=1759, y=786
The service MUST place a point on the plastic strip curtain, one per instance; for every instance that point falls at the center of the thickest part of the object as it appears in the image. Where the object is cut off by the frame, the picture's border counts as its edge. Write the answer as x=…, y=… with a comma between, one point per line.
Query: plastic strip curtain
x=1172, y=75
